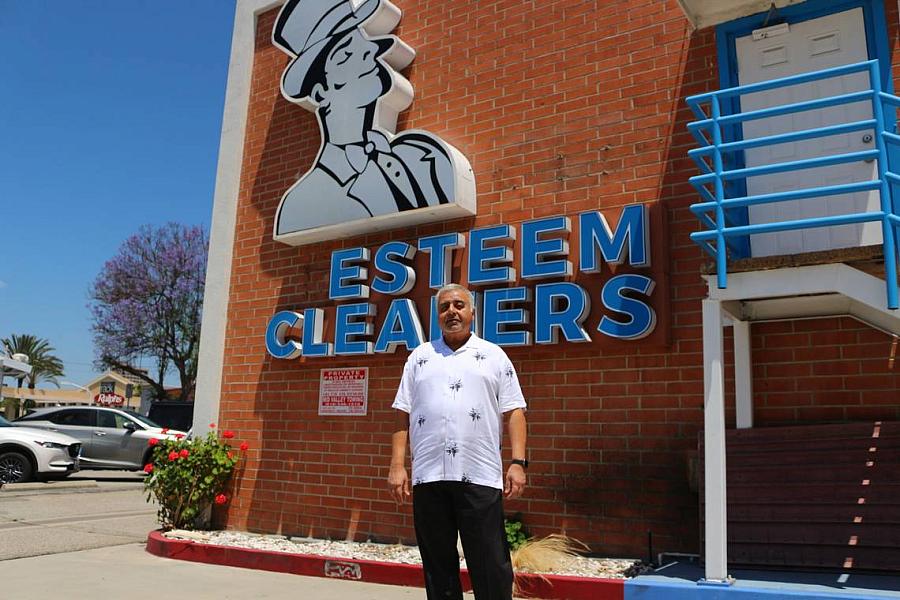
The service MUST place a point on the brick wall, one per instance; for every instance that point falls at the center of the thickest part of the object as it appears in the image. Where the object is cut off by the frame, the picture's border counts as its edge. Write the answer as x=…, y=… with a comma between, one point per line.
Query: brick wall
x=560, y=108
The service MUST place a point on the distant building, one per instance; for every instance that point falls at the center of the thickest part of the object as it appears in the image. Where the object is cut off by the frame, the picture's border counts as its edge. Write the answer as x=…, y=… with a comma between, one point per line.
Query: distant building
x=111, y=388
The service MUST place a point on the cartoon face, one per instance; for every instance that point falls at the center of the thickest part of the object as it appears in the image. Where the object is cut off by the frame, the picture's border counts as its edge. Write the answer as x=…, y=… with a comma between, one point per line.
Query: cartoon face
x=353, y=75
x=455, y=313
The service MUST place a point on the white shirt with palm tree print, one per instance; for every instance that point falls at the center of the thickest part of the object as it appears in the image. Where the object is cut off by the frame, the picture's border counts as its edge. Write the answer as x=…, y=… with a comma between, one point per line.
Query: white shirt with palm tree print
x=455, y=401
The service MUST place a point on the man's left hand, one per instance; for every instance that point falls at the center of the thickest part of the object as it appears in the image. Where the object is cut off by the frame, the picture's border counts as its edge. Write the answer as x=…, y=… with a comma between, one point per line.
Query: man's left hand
x=515, y=482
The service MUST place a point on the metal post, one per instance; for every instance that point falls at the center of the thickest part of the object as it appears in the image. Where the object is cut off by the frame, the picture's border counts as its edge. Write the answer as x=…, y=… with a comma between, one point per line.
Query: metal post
x=887, y=229
x=714, y=445
x=721, y=246
x=743, y=375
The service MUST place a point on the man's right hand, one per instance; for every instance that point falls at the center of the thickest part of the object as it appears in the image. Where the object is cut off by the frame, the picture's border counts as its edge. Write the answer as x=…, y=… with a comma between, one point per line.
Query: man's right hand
x=398, y=482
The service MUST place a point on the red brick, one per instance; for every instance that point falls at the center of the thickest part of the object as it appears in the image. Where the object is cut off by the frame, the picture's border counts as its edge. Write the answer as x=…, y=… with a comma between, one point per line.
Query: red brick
x=555, y=116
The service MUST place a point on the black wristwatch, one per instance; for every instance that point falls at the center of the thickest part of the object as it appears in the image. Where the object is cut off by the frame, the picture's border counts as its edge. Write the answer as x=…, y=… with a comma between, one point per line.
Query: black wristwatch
x=522, y=462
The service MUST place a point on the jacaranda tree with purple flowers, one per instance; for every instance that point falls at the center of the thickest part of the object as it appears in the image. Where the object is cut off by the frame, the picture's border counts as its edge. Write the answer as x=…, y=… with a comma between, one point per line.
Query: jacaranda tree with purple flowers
x=146, y=304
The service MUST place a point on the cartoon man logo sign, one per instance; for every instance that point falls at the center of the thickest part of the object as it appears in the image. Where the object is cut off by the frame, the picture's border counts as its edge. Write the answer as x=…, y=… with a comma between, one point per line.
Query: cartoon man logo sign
x=345, y=68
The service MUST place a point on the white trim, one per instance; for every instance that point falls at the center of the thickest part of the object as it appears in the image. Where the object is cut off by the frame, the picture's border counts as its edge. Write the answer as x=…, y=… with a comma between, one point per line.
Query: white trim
x=817, y=279
x=689, y=14
x=224, y=218
x=716, y=550
x=707, y=13
x=743, y=375
x=814, y=291
x=464, y=205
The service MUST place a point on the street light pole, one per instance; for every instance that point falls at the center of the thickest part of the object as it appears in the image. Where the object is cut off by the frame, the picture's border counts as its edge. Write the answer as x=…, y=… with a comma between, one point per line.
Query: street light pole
x=80, y=387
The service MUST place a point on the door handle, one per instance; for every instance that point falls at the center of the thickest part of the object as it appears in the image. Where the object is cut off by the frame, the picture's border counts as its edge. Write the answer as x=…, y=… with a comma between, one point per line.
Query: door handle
x=52, y=429
x=100, y=433
x=867, y=139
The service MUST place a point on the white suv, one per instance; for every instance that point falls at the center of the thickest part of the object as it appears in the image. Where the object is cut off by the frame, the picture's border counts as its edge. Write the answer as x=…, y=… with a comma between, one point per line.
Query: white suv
x=26, y=453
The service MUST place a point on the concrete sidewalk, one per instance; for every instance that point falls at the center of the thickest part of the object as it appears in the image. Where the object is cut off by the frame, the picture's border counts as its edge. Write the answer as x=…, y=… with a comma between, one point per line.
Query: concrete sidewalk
x=129, y=571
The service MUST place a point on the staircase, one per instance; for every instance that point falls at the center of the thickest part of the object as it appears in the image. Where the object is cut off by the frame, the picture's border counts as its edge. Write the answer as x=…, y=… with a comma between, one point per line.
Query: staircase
x=816, y=496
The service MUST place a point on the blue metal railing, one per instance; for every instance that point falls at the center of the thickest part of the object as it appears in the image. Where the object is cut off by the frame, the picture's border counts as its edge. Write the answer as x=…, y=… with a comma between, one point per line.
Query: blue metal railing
x=716, y=212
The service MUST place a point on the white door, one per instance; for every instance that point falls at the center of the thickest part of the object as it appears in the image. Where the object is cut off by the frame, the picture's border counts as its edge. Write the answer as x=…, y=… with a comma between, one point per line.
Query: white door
x=811, y=45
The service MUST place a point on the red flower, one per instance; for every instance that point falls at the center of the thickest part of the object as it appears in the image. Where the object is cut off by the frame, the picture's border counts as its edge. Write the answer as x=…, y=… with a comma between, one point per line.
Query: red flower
x=244, y=446
x=221, y=499
x=230, y=454
x=178, y=436
x=227, y=434
x=148, y=468
x=165, y=430
x=184, y=453
x=152, y=442
x=173, y=455
x=212, y=425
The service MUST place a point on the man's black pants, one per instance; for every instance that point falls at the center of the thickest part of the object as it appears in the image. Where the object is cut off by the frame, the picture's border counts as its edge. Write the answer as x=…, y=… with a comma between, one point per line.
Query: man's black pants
x=442, y=508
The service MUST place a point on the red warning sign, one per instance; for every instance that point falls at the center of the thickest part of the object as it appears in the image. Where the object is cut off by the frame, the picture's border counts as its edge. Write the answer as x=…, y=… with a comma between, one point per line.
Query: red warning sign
x=344, y=391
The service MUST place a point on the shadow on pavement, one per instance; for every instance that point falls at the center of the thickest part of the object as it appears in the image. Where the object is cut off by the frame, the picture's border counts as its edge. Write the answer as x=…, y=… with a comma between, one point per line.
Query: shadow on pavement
x=107, y=476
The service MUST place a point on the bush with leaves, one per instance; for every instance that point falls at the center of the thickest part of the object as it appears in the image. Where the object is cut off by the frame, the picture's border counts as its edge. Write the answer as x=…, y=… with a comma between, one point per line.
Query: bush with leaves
x=187, y=476
x=516, y=534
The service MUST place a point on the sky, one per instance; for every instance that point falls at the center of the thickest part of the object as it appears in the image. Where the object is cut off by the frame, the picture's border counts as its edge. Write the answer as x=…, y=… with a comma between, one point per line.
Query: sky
x=110, y=117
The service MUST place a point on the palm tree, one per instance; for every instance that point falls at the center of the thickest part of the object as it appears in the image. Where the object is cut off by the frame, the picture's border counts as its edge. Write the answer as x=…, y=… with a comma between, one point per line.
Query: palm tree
x=45, y=366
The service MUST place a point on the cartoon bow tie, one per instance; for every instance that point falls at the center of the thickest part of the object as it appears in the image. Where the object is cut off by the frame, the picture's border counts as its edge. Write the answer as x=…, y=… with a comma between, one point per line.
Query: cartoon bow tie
x=359, y=155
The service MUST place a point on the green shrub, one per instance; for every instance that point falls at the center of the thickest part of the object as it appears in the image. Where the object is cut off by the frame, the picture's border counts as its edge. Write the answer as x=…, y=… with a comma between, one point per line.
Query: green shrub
x=187, y=476
x=516, y=534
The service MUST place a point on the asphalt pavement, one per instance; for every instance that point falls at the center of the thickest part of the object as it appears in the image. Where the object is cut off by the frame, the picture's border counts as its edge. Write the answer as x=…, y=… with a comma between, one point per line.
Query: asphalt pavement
x=51, y=548
x=73, y=514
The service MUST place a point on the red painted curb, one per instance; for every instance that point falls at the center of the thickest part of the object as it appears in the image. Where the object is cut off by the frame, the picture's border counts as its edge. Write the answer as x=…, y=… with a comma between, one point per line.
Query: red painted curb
x=567, y=587
x=548, y=587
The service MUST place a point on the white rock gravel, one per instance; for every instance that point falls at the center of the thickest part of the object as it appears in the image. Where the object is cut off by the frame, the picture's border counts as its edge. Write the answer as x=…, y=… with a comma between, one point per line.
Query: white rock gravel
x=607, y=568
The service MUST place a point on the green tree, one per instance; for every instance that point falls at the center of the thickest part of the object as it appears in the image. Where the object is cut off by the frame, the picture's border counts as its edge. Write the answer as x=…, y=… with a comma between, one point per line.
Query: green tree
x=45, y=366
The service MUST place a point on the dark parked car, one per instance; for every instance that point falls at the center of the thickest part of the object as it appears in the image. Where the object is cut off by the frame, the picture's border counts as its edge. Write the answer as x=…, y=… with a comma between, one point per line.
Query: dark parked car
x=111, y=438
x=175, y=414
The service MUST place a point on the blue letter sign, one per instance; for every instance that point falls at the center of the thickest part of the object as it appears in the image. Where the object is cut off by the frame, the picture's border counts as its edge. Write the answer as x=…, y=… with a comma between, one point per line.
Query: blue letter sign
x=544, y=313
x=597, y=241
x=347, y=277
x=641, y=318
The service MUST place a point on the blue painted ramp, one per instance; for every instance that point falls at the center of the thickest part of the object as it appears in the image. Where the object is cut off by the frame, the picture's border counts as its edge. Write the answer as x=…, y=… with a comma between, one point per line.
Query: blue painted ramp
x=679, y=582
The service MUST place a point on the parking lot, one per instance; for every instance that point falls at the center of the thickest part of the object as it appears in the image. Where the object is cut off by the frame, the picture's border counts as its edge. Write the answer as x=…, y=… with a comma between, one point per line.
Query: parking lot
x=91, y=509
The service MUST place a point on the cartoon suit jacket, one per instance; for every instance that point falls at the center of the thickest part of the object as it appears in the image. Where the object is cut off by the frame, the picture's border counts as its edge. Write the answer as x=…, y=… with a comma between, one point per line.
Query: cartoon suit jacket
x=359, y=181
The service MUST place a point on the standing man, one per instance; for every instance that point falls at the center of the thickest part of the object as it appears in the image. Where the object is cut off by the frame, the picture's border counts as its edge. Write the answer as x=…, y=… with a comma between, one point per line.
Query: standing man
x=450, y=406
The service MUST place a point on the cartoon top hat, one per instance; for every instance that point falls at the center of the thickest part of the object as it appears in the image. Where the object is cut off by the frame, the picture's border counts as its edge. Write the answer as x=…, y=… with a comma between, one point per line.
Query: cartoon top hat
x=304, y=28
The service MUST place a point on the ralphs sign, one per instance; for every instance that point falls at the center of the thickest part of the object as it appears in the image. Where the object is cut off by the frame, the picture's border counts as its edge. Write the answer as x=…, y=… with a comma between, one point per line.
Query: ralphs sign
x=109, y=400
x=504, y=313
